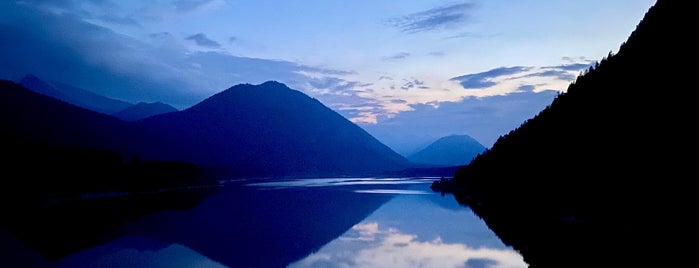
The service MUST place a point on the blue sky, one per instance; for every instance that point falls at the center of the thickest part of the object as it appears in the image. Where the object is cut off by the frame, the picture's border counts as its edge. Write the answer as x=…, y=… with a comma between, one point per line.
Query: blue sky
x=407, y=71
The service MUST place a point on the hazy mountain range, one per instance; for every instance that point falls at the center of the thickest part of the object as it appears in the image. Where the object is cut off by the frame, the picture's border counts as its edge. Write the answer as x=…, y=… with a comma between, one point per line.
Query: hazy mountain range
x=246, y=130
x=87, y=99
x=142, y=110
x=451, y=150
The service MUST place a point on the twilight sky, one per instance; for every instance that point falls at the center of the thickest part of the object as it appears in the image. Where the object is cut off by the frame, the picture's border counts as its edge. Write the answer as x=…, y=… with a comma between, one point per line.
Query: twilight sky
x=406, y=71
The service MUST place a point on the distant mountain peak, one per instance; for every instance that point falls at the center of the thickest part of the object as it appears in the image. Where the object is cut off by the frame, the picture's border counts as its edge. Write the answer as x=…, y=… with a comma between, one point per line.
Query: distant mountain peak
x=452, y=150
x=30, y=77
x=73, y=95
x=144, y=109
x=37, y=85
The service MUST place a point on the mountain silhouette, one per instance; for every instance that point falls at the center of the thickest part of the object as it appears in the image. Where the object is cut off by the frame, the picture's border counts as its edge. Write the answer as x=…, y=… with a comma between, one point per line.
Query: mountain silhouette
x=74, y=95
x=598, y=178
x=451, y=150
x=29, y=116
x=270, y=129
x=246, y=130
x=142, y=110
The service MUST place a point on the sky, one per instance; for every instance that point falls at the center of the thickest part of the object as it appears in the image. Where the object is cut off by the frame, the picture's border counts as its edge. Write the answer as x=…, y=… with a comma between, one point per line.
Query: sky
x=408, y=72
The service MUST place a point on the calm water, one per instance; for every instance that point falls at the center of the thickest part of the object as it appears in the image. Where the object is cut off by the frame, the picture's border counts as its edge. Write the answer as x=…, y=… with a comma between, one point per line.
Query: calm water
x=333, y=222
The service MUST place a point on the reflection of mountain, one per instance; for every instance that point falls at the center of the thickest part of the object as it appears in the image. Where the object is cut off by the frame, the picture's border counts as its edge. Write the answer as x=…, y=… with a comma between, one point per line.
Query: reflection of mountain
x=248, y=227
x=451, y=150
x=411, y=229
x=259, y=130
x=600, y=177
x=65, y=226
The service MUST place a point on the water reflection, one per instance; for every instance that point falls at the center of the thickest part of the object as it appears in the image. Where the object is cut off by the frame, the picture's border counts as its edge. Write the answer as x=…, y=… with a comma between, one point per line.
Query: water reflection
x=416, y=231
x=369, y=245
x=334, y=222
x=137, y=251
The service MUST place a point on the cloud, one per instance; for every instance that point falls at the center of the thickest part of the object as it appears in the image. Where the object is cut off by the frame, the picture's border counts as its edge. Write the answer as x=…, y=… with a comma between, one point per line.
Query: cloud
x=398, y=56
x=414, y=84
x=576, y=59
x=195, y=5
x=64, y=47
x=484, y=105
x=120, y=20
x=484, y=79
x=485, y=118
x=439, y=18
x=201, y=40
x=160, y=35
x=561, y=74
x=574, y=66
x=368, y=245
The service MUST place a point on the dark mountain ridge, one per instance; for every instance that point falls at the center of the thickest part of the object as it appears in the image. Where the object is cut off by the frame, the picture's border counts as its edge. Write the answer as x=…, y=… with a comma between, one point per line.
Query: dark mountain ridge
x=30, y=116
x=596, y=178
x=274, y=130
x=247, y=130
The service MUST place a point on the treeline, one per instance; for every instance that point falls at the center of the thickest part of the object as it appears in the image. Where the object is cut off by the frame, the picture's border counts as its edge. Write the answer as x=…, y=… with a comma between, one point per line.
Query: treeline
x=36, y=171
x=580, y=183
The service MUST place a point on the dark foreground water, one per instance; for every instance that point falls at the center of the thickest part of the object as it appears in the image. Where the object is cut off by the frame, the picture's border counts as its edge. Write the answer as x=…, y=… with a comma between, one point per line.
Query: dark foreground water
x=333, y=222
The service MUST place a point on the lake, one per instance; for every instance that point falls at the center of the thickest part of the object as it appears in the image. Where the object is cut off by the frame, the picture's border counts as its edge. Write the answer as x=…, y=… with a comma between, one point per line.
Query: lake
x=328, y=222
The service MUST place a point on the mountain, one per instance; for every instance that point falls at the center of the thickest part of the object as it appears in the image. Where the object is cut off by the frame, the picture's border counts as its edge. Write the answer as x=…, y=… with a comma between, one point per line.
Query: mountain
x=602, y=176
x=142, y=110
x=270, y=129
x=451, y=150
x=74, y=95
x=30, y=116
x=246, y=130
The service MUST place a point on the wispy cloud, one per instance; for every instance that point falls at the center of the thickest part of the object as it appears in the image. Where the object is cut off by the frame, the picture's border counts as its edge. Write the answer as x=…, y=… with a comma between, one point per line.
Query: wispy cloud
x=561, y=74
x=414, y=84
x=201, y=40
x=397, y=56
x=574, y=66
x=485, y=79
x=193, y=5
x=471, y=35
x=439, y=18
x=159, y=68
x=160, y=35
x=121, y=20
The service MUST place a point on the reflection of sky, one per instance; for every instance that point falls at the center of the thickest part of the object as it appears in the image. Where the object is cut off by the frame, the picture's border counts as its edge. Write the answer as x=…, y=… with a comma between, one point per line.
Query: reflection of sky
x=333, y=182
x=414, y=228
x=416, y=231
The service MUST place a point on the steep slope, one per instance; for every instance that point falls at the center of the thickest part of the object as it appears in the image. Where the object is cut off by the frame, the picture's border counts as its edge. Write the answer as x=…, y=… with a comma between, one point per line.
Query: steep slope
x=27, y=115
x=261, y=130
x=74, y=95
x=596, y=163
x=270, y=129
x=451, y=150
x=142, y=110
